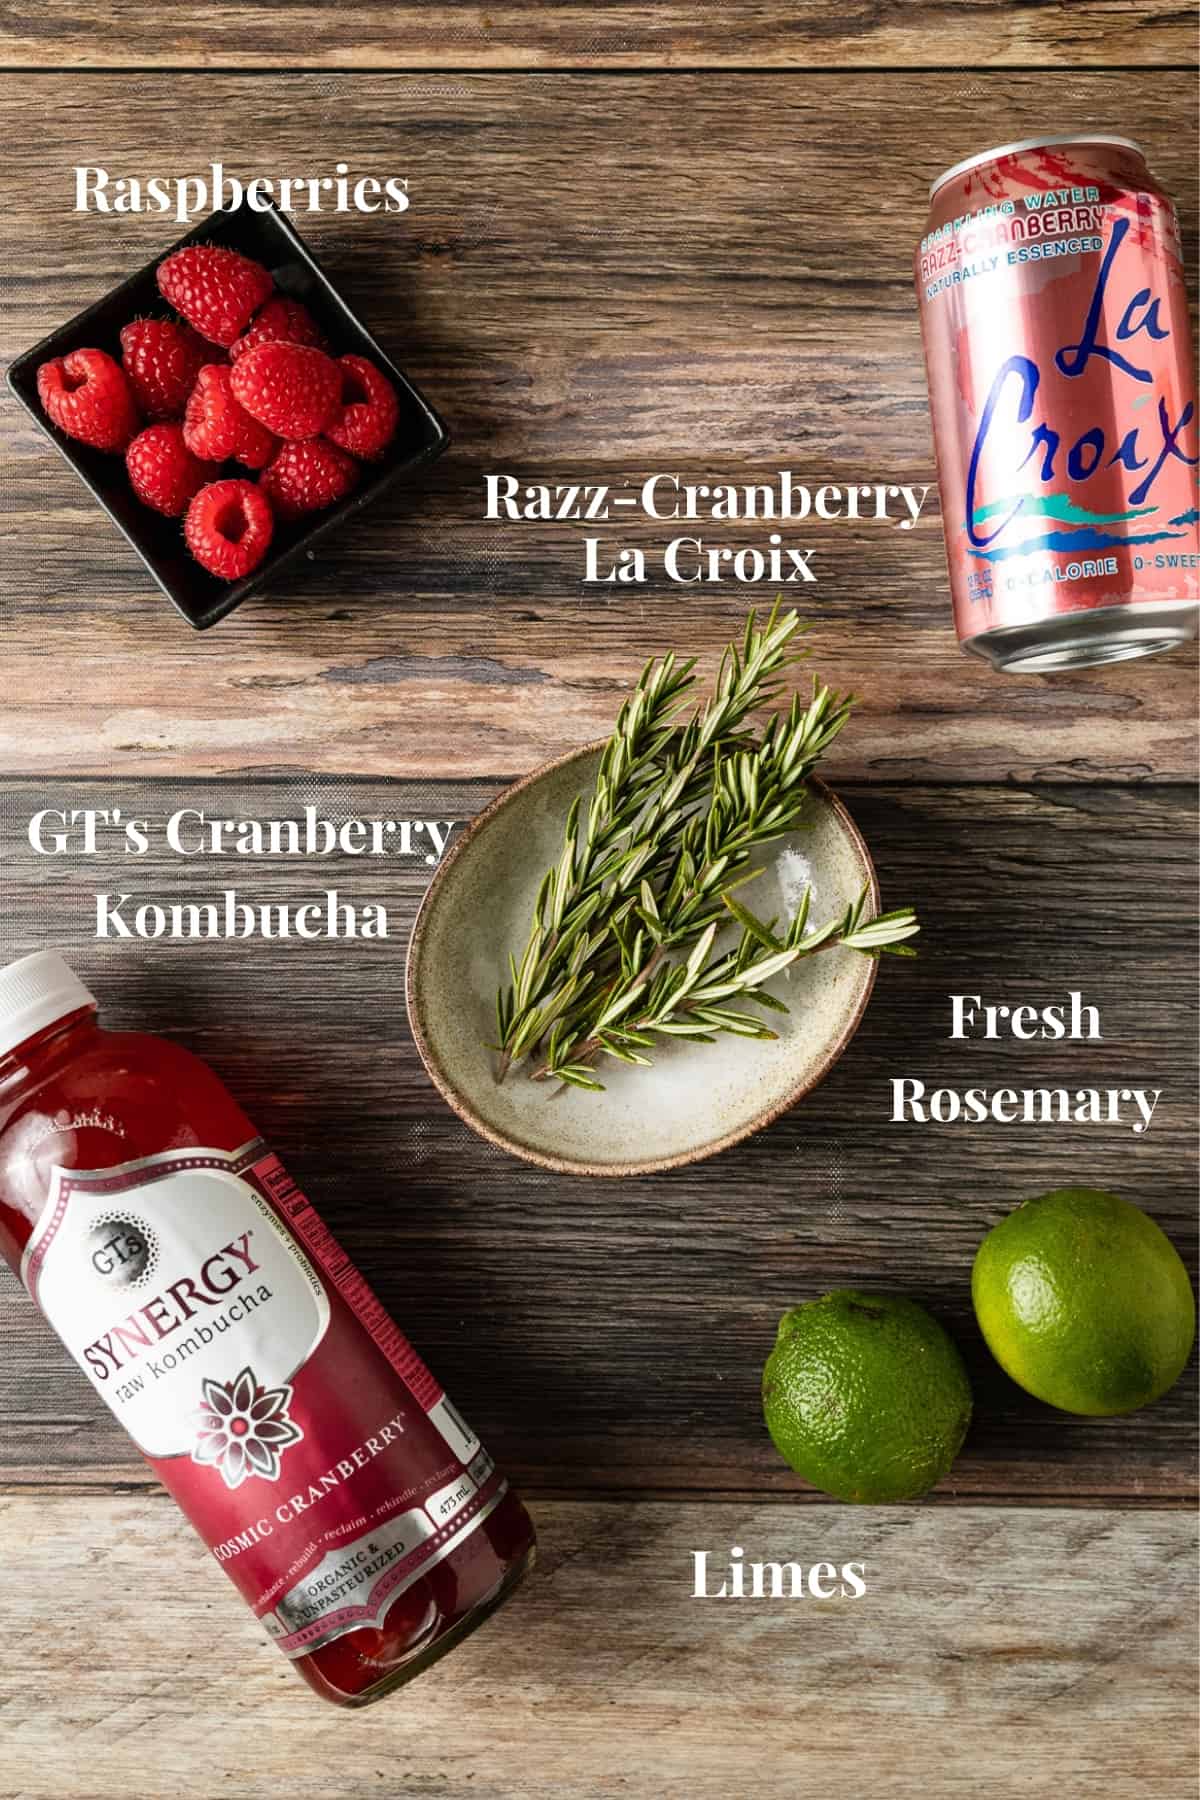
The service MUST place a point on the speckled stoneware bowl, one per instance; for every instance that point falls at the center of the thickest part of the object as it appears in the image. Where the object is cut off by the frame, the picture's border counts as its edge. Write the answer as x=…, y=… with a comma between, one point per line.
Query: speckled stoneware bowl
x=698, y=1098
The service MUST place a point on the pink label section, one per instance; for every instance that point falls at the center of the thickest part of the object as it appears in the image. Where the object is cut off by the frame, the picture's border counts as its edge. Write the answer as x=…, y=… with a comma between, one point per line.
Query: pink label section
x=1058, y=347
x=375, y=1478
x=341, y=1273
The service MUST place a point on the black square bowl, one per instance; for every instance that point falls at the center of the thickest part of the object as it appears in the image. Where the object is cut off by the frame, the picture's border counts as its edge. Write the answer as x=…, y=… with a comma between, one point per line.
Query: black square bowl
x=271, y=239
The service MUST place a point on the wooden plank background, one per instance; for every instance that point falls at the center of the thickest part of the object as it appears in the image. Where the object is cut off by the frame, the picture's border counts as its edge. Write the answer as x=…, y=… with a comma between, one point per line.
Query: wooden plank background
x=623, y=34
x=1040, y=1653
x=610, y=1334
x=606, y=274
x=599, y=277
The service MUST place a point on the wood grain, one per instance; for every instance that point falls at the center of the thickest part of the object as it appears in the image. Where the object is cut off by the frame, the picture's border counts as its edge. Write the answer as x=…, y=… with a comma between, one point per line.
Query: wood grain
x=604, y=276
x=608, y=1336
x=563, y=34
x=598, y=278
x=994, y=1652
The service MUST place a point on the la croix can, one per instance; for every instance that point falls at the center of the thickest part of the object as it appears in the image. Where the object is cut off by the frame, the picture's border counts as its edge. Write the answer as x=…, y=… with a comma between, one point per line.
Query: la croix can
x=1058, y=353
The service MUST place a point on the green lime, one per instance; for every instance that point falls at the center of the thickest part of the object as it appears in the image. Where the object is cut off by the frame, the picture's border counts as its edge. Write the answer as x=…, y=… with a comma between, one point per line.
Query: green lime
x=1084, y=1301
x=866, y=1396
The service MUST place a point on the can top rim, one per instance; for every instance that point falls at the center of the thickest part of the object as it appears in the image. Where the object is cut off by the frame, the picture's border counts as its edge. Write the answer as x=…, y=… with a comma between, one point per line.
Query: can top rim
x=1034, y=143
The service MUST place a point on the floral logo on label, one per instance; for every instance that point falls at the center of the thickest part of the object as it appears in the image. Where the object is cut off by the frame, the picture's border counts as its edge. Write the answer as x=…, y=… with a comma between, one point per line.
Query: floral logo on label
x=244, y=1429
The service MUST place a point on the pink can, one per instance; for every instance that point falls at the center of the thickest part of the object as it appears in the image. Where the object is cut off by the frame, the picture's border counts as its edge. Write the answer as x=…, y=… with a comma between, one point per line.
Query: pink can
x=1058, y=352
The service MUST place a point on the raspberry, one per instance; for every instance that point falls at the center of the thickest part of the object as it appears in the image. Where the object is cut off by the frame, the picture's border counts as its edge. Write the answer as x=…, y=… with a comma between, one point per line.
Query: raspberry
x=216, y=427
x=162, y=360
x=87, y=396
x=218, y=291
x=291, y=388
x=307, y=476
x=365, y=423
x=228, y=528
x=281, y=321
x=162, y=470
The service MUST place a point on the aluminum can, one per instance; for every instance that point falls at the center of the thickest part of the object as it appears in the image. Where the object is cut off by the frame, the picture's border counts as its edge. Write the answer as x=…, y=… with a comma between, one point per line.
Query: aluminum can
x=1058, y=352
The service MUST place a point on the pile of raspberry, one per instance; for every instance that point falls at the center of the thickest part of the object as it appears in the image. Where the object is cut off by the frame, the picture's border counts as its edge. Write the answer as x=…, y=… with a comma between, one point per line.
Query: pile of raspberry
x=245, y=379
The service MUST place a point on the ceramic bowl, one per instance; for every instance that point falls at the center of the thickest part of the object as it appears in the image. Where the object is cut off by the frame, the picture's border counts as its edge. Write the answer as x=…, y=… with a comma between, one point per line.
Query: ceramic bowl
x=697, y=1098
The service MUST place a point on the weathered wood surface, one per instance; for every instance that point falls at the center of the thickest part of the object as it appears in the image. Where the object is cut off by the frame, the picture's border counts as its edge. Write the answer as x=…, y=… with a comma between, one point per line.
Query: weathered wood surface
x=608, y=1336
x=600, y=277
x=558, y=34
x=995, y=1652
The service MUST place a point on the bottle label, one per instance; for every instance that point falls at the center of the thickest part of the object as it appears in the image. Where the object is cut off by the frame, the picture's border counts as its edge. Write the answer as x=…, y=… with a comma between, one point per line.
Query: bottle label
x=251, y=1363
x=179, y=1294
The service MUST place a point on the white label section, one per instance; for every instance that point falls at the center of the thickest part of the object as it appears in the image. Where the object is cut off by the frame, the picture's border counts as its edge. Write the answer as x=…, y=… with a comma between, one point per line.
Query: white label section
x=451, y=1499
x=185, y=1302
x=454, y=1428
x=482, y=1467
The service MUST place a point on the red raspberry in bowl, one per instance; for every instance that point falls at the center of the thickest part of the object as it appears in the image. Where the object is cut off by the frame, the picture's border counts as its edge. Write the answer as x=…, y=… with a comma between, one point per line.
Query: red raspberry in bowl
x=307, y=476
x=216, y=290
x=216, y=427
x=365, y=422
x=281, y=321
x=163, y=473
x=228, y=528
x=86, y=395
x=161, y=361
x=292, y=389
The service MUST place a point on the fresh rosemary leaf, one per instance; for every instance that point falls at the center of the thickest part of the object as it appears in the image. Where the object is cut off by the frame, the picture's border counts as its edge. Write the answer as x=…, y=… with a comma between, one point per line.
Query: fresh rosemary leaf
x=624, y=943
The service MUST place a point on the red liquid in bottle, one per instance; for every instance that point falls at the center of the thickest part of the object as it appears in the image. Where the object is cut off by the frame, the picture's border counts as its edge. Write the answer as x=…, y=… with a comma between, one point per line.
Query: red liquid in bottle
x=246, y=1356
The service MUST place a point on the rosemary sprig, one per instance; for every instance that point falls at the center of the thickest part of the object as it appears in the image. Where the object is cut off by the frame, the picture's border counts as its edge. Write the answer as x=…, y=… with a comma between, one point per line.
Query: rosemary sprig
x=691, y=999
x=676, y=812
x=652, y=776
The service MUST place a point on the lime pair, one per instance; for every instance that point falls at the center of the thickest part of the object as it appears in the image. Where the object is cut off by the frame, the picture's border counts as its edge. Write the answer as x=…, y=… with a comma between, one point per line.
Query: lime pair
x=1080, y=1296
